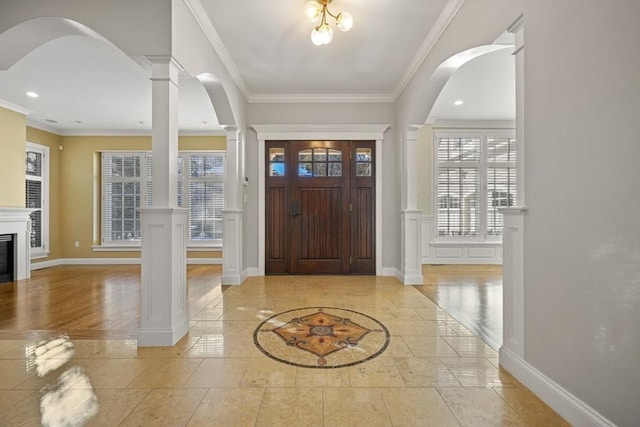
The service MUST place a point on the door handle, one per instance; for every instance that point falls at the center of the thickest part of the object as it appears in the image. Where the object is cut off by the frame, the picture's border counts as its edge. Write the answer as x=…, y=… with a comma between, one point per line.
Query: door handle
x=295, y=209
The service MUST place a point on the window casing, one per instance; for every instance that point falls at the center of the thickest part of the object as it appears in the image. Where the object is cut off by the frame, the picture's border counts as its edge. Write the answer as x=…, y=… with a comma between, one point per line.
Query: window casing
x=127, y=185
x=475, y=177
x=37, y=197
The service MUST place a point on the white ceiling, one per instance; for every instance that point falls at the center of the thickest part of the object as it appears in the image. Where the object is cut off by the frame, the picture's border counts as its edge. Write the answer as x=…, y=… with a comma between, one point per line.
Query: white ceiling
x=88, y=86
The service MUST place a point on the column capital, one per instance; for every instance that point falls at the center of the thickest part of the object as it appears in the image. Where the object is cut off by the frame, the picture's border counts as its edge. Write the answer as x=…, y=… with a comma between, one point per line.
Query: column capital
x=164, y=67
x=411, y=132
x=232, y=131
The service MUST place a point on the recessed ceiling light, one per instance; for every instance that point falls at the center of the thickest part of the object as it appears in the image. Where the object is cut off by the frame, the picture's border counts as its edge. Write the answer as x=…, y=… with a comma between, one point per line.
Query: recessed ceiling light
x=31, y=94
x=204, y=122
x=79, y=122
x=141, y=122
x=51, y=121
x=458, y=102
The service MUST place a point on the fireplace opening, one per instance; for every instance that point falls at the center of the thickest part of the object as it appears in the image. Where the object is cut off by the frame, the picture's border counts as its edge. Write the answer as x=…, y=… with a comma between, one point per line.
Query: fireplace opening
x=6, y=258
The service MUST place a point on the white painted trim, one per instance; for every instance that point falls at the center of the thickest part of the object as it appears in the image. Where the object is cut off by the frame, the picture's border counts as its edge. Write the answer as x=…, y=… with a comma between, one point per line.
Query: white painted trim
x=312, y=132
x=498, y=125
x=249, y=272
x=456, y=252
x=574, y=410
x=303, y=98
x=15, y=108
x=45, y=264
x=439, y=26
x=204, y=261
x=112, y=261
x=100, y=261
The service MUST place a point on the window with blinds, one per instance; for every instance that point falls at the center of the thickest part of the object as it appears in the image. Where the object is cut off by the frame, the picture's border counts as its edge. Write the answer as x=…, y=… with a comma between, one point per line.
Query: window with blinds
x=475, y=176
x=127, y=184
x=36, y=196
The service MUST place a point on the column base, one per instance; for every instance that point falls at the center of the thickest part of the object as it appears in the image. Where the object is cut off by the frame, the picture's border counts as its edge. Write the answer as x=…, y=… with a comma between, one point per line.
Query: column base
x=412, y=247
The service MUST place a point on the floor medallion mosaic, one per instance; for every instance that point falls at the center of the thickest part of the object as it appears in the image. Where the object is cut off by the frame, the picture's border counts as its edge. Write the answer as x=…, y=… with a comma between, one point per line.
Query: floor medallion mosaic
x=321, y=337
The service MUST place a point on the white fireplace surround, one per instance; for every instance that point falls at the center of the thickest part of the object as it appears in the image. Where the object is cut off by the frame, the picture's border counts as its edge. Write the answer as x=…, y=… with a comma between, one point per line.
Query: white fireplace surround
x=17, y=221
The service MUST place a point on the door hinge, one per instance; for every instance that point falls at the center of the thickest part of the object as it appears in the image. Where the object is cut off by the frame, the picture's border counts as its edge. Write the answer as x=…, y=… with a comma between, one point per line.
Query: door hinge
x=350, y=207
x=350, y=260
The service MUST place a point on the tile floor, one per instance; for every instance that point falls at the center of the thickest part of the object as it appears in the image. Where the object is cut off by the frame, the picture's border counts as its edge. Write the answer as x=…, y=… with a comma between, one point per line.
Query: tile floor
x=435, y=372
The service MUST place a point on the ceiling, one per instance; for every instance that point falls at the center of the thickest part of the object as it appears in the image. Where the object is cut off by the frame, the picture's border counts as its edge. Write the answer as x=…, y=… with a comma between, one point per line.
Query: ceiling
x=88, y=86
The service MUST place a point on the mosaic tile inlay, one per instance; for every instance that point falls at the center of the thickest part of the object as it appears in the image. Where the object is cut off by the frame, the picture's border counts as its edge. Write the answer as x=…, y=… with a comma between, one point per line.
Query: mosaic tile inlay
x=321, y=337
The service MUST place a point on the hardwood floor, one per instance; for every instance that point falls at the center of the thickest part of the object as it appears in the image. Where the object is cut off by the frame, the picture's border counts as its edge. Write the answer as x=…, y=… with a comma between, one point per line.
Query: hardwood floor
x=472, y=294
x=89, y=301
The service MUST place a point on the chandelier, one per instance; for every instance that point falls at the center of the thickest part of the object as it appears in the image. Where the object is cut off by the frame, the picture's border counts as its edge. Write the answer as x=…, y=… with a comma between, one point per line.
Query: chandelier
x=317, y=11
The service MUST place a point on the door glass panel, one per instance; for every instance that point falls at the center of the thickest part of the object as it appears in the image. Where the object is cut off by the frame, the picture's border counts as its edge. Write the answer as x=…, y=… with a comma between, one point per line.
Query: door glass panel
x=276, y=162
x=304, y=156
x=363, y=162
x=335, y=169
x=305, y=169
x=335, y=155
x=319, y=169
x=319, y=154
x=363, y=169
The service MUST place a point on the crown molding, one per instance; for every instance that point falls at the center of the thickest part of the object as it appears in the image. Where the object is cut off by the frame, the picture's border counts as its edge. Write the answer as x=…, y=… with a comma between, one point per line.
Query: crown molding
x=319, y=98
x=320, y=131
x=201, y=17
x=448, y=13
x=13, y=107
x=43, y=127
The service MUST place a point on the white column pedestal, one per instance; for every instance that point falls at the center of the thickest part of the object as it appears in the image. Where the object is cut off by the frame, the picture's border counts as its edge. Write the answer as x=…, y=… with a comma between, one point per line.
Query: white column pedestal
x=232, y=252
x=164, y=317
x=513, y=281
x=411, y=247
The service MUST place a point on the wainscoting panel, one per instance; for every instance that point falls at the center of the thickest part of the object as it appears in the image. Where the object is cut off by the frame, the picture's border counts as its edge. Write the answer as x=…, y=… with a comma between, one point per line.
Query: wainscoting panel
x=442, y=252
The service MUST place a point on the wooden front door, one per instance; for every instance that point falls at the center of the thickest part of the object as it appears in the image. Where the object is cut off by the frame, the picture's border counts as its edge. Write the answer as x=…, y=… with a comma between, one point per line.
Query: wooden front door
x=319, y=207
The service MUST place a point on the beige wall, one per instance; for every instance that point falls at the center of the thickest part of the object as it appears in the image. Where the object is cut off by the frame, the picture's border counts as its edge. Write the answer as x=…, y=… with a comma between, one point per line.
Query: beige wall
x=80, y=184
x=12, y=149
x=424, y=152
x=52, y=141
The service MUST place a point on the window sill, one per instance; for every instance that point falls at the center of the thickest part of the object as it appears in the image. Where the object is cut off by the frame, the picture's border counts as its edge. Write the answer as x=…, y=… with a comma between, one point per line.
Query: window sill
x=136, y=248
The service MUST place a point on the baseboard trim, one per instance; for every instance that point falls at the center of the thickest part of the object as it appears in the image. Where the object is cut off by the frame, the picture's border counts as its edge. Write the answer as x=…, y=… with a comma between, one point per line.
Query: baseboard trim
x=572, y=409
x=112, y=261
x=205, y=261
x=45, y=264
x=100, y=261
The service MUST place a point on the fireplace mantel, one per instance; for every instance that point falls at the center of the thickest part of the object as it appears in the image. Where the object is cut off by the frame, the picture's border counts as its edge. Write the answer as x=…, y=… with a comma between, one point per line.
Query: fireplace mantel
x=17, y=221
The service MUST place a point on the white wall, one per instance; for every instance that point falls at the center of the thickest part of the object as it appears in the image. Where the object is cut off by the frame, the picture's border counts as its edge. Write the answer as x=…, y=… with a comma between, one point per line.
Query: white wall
x=327, y=113
x=582, y=177
x=582, y=102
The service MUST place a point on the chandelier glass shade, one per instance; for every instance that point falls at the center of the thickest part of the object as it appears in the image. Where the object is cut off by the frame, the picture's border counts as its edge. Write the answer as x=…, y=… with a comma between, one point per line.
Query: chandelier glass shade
x=317, y=11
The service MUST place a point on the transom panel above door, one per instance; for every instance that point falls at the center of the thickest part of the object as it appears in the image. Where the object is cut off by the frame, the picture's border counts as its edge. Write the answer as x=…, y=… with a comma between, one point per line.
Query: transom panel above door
x=319, y=207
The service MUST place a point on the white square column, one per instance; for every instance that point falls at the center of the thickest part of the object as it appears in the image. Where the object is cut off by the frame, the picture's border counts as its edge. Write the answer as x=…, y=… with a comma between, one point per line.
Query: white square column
x=411, y=216
x=233, y=212
x=164, y=317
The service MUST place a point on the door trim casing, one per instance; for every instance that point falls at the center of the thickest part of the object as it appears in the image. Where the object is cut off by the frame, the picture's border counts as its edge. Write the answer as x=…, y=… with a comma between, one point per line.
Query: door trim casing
x=318, y=132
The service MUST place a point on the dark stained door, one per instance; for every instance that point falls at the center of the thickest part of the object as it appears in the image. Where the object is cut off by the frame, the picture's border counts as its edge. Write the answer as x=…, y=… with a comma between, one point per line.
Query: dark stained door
x=319, y=207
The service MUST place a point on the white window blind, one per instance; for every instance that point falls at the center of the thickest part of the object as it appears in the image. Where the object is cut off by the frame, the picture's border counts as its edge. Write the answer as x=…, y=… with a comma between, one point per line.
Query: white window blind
x=205, y=194
x=124, y=191
x=127, y=185
x=501, y=180
x=36, y=196
x=458, y=186
x=475, y=176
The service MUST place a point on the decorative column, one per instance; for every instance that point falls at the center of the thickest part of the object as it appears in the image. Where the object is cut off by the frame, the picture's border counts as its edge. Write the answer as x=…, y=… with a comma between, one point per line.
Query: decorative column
x=411, y=216
x=232, y=215
x=164, y=318
x=513, y=287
